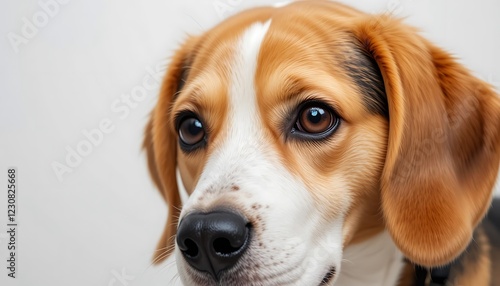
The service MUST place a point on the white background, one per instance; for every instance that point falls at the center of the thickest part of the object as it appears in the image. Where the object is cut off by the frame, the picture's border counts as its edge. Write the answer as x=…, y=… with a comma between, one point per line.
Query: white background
x=106, y=216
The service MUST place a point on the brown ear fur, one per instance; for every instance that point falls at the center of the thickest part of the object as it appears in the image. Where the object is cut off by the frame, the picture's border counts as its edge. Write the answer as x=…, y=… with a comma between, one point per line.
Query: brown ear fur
x=444, y=143
x=160, y=143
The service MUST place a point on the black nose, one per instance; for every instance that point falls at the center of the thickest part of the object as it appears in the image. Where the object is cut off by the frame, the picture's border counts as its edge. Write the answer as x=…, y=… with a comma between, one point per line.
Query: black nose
x=213, y=241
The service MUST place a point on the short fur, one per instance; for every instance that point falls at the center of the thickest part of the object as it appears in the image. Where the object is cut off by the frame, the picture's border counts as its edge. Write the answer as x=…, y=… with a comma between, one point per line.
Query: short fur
x=431, y=130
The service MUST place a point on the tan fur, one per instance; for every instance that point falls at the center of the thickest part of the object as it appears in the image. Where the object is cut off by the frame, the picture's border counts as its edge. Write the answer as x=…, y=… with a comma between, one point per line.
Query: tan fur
x=431, y=166
x=443, y=153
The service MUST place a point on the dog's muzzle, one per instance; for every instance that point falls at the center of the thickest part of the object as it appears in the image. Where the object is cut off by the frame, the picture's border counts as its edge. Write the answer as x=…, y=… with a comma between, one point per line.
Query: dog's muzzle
x=212, y=242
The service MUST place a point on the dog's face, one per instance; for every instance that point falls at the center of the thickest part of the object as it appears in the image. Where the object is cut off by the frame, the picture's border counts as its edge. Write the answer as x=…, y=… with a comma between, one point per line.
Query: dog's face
x=300, y=130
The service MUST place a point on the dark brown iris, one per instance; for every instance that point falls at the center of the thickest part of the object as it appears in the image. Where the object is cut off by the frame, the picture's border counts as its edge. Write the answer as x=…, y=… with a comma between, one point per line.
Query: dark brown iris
x=314, y=119
x=191, y=131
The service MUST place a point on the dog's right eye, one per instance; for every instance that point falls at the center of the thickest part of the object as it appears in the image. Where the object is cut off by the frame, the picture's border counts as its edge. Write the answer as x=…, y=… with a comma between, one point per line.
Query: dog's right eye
x=191, y=132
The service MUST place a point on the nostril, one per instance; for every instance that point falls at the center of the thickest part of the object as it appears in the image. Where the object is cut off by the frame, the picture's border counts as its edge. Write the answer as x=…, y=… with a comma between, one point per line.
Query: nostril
x=191, y=248
x=223, y=247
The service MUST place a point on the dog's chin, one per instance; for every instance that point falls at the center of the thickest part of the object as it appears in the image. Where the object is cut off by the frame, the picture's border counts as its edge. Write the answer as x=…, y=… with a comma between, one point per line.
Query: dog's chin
x=254, y=275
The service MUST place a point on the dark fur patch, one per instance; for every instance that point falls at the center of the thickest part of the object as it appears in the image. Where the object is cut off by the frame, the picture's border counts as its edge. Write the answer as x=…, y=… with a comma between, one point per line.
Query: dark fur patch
x=494, y=214
x=491, y=226
x=469, y=257
x=364, y=71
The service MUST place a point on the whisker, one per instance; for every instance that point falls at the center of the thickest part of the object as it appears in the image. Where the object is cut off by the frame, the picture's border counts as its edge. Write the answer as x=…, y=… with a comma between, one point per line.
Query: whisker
x=177, y=208
x=158, y=258
x=172, y=280
x=168, y=265
x=163, y=248
x=199, y=25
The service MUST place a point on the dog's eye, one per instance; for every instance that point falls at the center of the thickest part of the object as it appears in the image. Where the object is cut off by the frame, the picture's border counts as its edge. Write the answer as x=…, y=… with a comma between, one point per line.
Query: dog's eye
x=191, y=131
x=315, y=121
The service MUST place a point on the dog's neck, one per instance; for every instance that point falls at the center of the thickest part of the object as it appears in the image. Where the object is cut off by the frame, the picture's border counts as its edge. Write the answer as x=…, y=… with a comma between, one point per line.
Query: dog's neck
x=374, y=262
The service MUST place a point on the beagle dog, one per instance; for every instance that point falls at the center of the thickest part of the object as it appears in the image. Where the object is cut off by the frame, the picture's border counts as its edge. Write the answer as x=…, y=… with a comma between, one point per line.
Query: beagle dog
x=320, y=145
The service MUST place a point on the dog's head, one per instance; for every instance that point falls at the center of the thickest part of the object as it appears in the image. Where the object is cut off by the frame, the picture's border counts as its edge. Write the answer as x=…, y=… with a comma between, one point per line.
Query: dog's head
x=300, y=130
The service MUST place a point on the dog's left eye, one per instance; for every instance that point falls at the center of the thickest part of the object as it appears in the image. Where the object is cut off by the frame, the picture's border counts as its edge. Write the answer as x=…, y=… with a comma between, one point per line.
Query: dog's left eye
x=191, y=132
x=315, y=120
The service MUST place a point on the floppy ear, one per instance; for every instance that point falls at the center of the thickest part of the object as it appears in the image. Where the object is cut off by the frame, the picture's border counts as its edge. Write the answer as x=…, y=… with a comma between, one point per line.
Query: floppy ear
x=160, y=143
x=443, y=149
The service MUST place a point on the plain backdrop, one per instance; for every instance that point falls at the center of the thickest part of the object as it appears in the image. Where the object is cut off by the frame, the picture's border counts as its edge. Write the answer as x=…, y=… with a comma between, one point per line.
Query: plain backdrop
x=104, y=218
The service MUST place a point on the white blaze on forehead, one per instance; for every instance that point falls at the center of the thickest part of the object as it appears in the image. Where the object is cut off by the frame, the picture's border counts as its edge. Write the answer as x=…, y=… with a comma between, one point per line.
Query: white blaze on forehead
x=243, y=144
x=242, y=94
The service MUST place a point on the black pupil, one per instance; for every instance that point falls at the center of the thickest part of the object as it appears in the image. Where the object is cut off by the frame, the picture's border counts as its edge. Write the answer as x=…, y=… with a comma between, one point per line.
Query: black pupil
x=315, y=115
x=191, y=131
x=194, y=127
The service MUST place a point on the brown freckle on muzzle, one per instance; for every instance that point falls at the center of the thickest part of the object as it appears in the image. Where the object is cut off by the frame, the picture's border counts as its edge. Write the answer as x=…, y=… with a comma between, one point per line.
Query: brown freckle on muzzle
x=256, y=206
